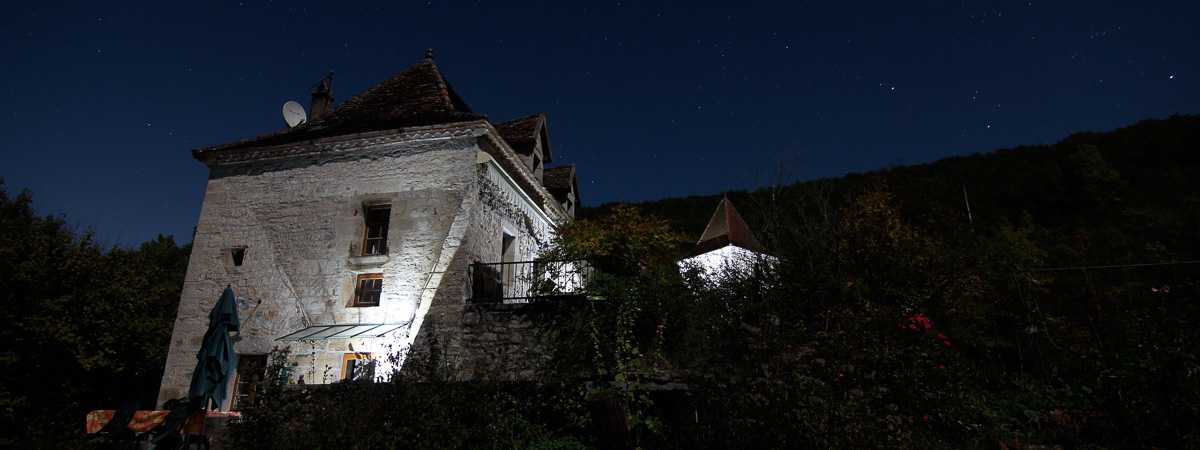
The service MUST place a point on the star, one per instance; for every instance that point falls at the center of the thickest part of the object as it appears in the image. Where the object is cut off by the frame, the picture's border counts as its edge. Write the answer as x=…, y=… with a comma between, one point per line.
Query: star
x=1171, y=77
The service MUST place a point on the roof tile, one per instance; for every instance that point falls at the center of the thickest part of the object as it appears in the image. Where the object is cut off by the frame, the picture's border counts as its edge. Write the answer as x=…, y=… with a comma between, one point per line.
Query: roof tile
x=417, y=96
x=522, y=134
x=560, y=181
x=727, y=228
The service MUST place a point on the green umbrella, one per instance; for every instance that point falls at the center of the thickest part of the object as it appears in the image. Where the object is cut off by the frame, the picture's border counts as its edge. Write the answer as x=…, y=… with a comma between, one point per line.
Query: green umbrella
x=216, y=359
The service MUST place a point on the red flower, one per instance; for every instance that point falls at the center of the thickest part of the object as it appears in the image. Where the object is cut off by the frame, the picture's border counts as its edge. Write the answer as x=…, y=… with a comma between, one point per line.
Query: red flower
x=925, y=418
x=917, y=322
x=941, y=366
x=945, y=340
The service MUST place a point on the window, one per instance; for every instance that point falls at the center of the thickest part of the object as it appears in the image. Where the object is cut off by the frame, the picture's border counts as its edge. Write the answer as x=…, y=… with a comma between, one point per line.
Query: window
x=375, y=235
x=367, y=289
x=507, y=256
x=357, y=366
x=537, y=162
x=238, y=254
x=251, y=369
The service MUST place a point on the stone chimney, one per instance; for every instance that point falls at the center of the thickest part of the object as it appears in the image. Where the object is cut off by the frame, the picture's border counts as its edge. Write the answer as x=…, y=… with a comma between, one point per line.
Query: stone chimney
x=322, y=98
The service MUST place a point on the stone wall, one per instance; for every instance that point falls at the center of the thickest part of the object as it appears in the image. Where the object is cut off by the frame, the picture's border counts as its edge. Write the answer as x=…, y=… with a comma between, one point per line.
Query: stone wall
x=489, y=342
x=476, y=341
x=300, y=221
x=299, y=224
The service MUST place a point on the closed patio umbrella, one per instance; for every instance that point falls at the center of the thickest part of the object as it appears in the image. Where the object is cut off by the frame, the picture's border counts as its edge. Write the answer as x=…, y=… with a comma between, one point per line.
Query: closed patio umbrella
x=216, y=359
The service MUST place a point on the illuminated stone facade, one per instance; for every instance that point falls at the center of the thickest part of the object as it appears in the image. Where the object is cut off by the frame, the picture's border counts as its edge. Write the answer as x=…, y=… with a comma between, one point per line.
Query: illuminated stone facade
x=295, y=211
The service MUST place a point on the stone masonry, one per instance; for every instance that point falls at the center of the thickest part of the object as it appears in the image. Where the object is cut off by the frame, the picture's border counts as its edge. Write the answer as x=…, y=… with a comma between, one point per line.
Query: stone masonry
x=291, y=208
x=297, y=210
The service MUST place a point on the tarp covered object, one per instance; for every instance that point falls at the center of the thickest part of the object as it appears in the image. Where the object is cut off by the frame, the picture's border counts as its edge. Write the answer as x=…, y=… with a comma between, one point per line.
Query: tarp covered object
x=216, y=359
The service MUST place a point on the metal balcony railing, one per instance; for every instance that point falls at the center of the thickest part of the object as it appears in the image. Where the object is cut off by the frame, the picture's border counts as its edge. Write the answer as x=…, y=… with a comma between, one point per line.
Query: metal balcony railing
x=526, y=281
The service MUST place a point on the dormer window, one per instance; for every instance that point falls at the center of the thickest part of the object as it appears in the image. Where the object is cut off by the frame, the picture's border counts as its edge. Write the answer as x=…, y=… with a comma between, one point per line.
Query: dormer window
x=375, y=236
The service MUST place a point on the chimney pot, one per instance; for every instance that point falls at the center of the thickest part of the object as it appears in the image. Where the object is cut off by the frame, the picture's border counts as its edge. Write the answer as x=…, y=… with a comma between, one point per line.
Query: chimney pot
x=322, y=98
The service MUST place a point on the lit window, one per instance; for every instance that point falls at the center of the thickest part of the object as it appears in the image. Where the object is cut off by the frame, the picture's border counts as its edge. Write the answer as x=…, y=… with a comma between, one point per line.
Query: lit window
x=375, y=236
x=357, y=366
x=367, y=289
x=251, y=369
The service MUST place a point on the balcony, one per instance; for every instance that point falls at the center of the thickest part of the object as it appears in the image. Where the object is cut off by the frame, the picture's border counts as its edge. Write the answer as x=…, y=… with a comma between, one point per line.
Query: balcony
x=528, y=281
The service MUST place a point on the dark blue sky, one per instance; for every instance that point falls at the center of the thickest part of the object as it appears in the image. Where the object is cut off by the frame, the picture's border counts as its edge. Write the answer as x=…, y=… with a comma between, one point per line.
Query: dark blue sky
x=102, y=104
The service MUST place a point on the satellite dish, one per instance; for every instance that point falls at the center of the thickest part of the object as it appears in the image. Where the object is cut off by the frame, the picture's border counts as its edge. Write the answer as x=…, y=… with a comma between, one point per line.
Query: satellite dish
x=294, y=114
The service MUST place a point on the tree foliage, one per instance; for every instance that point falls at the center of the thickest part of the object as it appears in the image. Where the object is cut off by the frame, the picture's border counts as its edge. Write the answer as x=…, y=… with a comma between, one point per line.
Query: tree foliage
x=896, y=320
x=86, y=327
x=879, y=332
x=891, y=318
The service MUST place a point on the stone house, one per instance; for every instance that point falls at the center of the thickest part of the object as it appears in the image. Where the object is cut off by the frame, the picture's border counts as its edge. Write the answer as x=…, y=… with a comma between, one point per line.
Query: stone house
x=371, y=229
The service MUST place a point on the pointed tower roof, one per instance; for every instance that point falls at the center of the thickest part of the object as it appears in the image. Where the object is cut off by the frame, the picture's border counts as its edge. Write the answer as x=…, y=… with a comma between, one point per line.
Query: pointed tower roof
x=727, y=228
x=417, y=96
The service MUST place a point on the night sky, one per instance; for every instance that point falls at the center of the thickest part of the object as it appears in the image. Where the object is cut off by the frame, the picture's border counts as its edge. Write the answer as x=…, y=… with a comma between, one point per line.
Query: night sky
x=102, y=105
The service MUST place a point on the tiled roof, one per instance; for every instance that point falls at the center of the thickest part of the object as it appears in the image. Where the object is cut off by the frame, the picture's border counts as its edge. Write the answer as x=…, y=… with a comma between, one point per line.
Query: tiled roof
x=560, y=181
x=418, y=96
x=522, y=134
x=727, y=228
x=418, y=100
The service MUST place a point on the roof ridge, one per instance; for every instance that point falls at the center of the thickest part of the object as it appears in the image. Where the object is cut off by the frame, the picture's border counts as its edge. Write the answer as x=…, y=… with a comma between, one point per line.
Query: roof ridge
x=368, y=92
x=538, y=115
x=453, y=100
x=444, y=89
x=443, y=85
